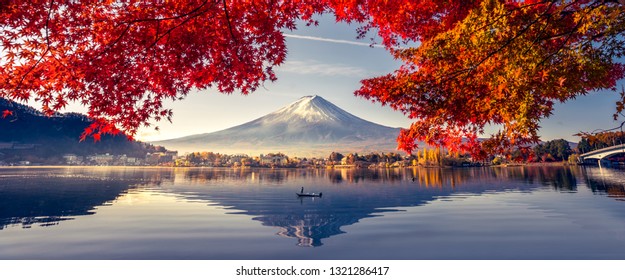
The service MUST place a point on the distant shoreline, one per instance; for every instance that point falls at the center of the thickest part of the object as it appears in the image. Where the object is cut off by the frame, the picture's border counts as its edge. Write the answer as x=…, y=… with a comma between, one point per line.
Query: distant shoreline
x=337, y=167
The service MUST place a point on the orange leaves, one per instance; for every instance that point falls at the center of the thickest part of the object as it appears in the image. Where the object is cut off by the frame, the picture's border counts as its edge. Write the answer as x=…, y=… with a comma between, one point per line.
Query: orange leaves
x=503, y=63
x=561, y=81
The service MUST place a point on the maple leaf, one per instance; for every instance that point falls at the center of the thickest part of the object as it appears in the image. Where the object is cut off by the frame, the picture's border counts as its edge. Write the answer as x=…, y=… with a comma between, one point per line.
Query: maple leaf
x=6, y=113
x=561, y=81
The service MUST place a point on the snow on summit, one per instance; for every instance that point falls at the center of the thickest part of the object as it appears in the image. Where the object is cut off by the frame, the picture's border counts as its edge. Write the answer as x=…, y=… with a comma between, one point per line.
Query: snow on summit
x=312, y=109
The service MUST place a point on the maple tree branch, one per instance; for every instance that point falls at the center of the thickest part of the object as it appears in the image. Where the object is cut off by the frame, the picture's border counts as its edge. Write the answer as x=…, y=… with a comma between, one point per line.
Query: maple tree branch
x=548, y=21
x=601, y=130
x=132, y=22
x=512, y=11
x=32, y=68
x=566, y=40
x=110, y=46
x=234, y=38
x=568, y=34
x=543, y=30
x=228, y=21
x=508, y=42
x=48, y=24
x=193, y=11
x=189, y=17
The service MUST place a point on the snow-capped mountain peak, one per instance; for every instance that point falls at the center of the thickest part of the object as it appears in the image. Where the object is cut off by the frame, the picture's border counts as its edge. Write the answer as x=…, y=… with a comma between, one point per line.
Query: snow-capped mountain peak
x=312, y=109
x=310, y=125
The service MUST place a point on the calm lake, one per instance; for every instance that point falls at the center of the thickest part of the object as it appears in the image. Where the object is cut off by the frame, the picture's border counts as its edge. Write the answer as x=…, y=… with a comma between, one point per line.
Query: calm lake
x=204, y=213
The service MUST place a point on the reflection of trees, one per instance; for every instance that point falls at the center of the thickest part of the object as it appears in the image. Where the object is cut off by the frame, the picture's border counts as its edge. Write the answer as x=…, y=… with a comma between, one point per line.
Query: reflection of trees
x=451, y=177
x=335, y=177
x=428, y=177
x=558, y=177
x=356, y=175
x=202, y=175
x=605, y=181
x=561, y=178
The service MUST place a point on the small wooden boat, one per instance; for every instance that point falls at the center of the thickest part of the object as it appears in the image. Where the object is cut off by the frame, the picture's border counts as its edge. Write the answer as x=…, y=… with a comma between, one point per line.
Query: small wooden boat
x=309, y=194
x=303, y=194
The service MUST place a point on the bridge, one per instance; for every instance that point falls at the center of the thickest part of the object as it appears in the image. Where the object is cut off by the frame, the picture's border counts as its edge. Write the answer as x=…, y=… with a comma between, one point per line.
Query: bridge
x=603, y=153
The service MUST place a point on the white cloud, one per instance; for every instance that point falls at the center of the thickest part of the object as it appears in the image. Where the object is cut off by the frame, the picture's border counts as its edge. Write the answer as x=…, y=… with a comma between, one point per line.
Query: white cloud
x=313, y=67
x=336, y=41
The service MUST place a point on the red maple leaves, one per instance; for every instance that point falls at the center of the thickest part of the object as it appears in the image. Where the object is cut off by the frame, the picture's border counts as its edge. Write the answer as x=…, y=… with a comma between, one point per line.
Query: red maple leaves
x=479, y=63
x=99, y=127
x=124, y=59
x=6, y=113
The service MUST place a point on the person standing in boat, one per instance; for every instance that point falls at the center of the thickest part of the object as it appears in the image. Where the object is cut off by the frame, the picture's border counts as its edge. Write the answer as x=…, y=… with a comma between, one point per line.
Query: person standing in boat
x=302, y=191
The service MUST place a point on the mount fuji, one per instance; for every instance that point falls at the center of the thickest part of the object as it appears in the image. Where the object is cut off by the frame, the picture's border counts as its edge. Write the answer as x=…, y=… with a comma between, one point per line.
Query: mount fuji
x=310, y=126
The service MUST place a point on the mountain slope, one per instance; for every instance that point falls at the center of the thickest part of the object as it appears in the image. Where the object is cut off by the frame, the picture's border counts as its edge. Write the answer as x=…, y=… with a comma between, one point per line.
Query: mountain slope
x=306, y=127
x=28, y=134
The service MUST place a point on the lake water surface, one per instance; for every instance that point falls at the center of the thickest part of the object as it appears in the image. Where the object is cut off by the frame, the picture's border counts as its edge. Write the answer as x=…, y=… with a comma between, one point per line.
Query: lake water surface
x=205, y=213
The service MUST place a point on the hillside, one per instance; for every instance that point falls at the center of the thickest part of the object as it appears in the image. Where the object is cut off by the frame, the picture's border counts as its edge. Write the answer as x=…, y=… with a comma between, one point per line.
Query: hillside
x=29, y=135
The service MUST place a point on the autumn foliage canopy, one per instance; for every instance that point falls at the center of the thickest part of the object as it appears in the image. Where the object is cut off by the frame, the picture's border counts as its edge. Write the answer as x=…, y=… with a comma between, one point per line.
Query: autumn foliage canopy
x=478, y=63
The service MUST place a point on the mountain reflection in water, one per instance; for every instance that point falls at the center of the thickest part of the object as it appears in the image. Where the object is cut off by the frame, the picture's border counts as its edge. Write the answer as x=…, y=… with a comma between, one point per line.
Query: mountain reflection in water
x=352, y=194
x=47, y=197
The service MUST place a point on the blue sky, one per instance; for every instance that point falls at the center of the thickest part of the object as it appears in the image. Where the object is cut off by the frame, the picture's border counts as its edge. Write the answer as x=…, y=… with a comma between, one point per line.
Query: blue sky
x=326, y=60
x=329, y=61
